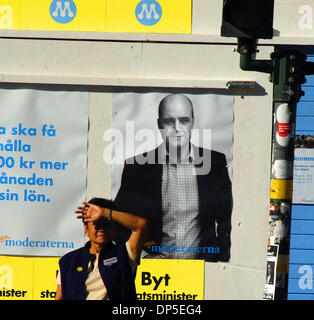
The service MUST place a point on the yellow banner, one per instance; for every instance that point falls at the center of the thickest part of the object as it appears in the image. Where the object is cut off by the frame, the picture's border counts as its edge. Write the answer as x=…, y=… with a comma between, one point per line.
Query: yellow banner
x=34, y=278
x=149, y=16
x=138, y=16
x=31, y=278
x=170, y=280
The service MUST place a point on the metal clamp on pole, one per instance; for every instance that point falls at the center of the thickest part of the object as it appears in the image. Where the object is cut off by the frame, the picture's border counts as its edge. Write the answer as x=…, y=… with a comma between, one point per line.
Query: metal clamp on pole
x=241, y=85
x=247, y=48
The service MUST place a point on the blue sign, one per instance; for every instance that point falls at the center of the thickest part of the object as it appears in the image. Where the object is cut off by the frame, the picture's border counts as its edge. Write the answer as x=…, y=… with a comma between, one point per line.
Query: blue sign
x=63, y=11
x=148, y=12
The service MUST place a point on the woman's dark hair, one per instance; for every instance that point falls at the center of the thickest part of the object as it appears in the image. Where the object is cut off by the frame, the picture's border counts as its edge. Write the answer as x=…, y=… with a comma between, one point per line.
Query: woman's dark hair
x=104, y=203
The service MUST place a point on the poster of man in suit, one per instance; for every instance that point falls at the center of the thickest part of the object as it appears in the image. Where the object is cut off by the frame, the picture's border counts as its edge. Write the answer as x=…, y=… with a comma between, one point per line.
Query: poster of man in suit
x=172, y=164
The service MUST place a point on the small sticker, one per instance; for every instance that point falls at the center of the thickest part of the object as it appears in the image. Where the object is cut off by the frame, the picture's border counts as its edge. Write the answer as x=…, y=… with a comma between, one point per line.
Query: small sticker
x=79, y=269
x=283, y=129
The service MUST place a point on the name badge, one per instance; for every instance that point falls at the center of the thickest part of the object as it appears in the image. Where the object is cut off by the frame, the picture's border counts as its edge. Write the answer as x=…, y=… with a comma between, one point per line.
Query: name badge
x=110, y=261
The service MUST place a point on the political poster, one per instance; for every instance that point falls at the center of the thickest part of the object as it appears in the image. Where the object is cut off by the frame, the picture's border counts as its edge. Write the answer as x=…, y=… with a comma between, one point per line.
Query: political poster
x=172, y=164
x=43, y=152
x=139, y=16
x=28, y=278
x=303, y=174
x=270, y=285
x=167, y=280
x=34, y=278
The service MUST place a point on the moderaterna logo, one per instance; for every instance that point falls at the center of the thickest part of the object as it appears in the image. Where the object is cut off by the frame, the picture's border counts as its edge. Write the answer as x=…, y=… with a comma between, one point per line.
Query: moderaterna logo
x=63, y=11
x=148, y=12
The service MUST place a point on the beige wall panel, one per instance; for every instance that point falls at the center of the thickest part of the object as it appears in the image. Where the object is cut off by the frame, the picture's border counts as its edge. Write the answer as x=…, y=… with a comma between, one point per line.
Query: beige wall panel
x=98, y=174
x=251, y=281
x=121, y=60
x=206, y=18
x=251, y=176
x=294, y=18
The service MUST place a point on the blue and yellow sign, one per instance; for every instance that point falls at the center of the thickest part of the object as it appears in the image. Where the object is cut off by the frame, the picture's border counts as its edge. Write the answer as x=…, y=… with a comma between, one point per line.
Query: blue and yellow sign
x=163, y=279
x=28, y=278
x=34, y=278
x=138, y=16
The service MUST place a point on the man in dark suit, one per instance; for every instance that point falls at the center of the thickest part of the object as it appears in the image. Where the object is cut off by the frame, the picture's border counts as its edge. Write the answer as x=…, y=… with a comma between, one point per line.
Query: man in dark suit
x=184, y=191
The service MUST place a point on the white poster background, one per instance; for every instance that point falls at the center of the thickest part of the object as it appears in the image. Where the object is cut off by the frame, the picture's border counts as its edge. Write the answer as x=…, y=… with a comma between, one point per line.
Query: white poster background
x=45, y=228
x=303, y=176
x=140, y=110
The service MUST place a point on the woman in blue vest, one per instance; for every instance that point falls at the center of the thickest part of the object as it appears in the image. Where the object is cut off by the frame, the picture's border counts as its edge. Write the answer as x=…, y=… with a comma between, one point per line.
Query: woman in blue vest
x=102, y=270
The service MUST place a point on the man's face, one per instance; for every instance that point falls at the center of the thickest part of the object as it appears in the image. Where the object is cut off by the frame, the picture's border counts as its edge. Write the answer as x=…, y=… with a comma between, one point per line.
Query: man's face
x=99, y=232
x=176, y=124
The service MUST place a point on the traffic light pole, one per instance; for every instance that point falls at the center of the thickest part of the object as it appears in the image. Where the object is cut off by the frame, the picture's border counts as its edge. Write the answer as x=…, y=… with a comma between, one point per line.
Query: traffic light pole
x=287, y=69
x=287, y=78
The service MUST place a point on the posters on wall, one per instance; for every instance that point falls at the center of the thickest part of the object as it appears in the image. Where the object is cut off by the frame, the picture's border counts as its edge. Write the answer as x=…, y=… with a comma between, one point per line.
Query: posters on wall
x=303, y=176
x=168, y=280
x=28, y=278
x=148, y=16
x=171, y=164
x=34, y=278
x=42, y=170
x=272, y=257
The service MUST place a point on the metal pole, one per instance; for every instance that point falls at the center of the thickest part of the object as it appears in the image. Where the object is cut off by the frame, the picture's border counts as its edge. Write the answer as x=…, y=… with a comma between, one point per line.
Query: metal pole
x=286, y=94
x=287, y=69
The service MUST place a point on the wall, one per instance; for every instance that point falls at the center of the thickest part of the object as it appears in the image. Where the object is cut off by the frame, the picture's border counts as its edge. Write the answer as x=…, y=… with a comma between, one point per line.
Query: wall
x=65, y=62
x=105, y=62
x=245, y=274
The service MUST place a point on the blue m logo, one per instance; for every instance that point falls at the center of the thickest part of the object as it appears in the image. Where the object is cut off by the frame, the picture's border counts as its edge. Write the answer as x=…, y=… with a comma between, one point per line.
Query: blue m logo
x=63, y=11
x=148, y=12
